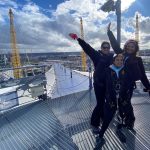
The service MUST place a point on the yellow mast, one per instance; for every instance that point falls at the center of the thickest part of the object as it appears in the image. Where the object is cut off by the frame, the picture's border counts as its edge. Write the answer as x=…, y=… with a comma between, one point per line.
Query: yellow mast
x=15, y=52
x=137, y=28
x=83, y=55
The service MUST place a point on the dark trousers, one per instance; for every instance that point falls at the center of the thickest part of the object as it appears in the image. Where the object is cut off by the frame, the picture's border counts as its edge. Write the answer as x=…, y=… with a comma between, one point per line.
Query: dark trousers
x=126, y=111
x=129, y=113
x=98, y=110
x=108, y=116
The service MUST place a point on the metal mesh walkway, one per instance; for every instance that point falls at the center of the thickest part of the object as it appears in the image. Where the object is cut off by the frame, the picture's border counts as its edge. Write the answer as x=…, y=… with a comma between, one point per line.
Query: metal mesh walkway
x=64, y=124
x=74, y=112
x=33, y=127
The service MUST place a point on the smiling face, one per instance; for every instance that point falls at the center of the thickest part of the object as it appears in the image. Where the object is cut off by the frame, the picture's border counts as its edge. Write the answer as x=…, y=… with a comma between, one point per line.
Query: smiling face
x=130, y=48
x=105, y=48
x=118, y=60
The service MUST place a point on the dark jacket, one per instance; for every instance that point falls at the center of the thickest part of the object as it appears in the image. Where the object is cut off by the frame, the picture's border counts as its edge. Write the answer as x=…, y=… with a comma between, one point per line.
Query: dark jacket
x=100, y=61
x=133, y=64
x=114, y=84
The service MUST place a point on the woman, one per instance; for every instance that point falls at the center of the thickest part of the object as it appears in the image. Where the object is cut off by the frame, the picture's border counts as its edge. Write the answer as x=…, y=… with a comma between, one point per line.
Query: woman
x=101, y=60
x=134, y=67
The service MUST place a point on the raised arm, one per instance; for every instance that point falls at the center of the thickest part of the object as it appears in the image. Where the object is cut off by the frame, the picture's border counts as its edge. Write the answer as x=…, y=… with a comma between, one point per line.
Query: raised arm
x=113, y=41
x=85, y=46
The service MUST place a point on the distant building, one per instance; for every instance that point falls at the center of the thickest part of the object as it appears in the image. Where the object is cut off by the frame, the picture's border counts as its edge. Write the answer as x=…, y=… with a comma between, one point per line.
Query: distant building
x=68, y=59
x=144, y=52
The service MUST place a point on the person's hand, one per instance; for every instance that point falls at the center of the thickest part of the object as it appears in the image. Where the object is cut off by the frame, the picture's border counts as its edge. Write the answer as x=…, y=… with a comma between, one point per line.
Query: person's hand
x=108, y=28
x=73, y=36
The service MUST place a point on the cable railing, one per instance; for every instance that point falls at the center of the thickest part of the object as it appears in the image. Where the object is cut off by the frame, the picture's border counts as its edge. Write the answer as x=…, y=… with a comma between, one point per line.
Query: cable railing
x=23, y=85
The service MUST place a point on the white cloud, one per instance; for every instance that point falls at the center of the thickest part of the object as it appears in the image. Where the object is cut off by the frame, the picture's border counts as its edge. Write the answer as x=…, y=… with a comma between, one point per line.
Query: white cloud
x=8, y=3
x=41, y=32
x=130, y=23
x=125, y=4
x=1, y=18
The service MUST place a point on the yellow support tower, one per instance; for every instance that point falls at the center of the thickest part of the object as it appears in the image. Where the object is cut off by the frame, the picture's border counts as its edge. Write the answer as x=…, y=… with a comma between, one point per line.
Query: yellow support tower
x=83, y=55
x=137, y=30
x=15, y=52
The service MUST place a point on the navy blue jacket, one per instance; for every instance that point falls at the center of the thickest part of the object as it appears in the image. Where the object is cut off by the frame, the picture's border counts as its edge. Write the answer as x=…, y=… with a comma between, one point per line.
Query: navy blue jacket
x=100, y=61
x=116, y=83
x=133, y=64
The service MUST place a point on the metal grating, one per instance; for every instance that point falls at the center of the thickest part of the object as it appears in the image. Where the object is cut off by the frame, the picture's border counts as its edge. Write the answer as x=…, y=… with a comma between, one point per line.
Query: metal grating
x=64, y=124
x=33, y=127
x=74, y=112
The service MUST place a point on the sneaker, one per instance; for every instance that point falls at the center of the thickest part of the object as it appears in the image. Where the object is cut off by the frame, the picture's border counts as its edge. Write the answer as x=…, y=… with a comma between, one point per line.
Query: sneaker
x=130, y=127
x=119, y=126
x=95, y=130
x=100, y=141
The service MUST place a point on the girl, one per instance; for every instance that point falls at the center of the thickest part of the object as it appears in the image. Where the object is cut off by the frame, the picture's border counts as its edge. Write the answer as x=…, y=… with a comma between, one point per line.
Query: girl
x=116, y=90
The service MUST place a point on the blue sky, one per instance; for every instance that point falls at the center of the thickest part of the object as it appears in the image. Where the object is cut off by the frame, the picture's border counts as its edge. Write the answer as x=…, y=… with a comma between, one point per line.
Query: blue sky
x=44, y=25
x=141, y=6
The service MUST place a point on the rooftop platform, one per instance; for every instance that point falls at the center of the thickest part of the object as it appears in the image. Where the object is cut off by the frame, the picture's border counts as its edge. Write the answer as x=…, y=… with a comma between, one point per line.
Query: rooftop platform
x=64, y=124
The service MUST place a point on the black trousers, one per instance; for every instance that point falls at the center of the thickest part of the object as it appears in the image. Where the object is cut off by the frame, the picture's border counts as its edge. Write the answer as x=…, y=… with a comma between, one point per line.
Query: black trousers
x=108, y=116
x=129, y=112
x=98, y=110
x=126, y=110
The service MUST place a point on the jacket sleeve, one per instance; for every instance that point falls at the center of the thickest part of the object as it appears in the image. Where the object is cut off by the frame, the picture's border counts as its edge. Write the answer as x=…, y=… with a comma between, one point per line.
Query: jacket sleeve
x=144, y=79
x=114, y=42
x=91, y=52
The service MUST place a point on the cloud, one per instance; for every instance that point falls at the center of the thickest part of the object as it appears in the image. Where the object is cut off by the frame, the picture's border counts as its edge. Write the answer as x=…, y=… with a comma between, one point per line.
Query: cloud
x=129, y=29
x=1, y=18
x=145, y=24
x=8, y=3
x=125, y=4
x=42, y=30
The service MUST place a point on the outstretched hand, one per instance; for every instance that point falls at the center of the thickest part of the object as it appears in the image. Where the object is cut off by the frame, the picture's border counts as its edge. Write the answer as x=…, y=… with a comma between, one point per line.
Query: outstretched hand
x=73, y=36
x=108, y=28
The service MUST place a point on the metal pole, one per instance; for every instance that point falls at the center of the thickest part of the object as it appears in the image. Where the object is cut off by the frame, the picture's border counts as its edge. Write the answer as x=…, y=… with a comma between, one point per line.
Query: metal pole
x=90, y=73
x=70, y=71
x=118, y=13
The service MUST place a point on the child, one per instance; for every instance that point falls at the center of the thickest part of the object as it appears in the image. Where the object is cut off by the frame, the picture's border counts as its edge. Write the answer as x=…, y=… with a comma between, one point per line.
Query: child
x=116, y=85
